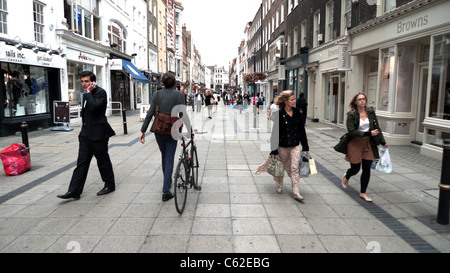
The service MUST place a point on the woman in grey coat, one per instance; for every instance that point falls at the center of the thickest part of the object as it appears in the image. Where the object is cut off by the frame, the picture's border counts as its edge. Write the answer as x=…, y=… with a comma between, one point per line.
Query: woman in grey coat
x=168, y=98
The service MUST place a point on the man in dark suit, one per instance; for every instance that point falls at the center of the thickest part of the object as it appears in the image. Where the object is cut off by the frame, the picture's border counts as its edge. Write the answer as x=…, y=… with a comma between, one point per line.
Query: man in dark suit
x=93, y=139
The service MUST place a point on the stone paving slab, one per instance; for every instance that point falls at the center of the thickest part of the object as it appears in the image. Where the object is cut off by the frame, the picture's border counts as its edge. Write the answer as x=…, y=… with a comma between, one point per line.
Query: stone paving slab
x=237, y=211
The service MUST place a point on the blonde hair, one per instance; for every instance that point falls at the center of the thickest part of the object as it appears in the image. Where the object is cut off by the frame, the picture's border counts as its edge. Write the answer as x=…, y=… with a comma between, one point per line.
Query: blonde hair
x=208, y=92
x=283, y=98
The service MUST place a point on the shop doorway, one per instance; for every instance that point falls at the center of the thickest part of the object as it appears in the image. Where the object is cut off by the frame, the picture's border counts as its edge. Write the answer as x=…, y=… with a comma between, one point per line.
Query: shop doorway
x=120, y=91
x=423, y=83
x=334, y=98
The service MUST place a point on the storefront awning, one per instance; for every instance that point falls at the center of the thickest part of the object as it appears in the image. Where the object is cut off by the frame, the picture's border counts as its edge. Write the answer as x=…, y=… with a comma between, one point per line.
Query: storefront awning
x=118, y=64
x=135, y=73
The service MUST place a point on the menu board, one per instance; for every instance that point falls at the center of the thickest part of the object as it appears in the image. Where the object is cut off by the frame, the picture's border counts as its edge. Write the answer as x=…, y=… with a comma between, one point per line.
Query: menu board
x=61, y=112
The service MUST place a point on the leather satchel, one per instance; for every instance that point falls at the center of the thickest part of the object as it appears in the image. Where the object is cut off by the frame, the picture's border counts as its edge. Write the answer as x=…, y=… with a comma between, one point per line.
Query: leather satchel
x=163, y=121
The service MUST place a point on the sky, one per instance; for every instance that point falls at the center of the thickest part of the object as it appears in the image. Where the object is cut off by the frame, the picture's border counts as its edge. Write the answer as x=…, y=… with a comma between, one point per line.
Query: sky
x=217, y=27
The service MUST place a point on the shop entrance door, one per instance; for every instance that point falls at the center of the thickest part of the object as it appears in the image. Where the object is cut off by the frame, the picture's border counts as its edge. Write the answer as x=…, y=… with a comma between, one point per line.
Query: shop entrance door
x=423, y=82
x=332, y=99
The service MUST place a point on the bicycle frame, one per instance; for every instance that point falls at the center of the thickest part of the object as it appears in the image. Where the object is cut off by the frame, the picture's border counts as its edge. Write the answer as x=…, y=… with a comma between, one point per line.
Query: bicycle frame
x=186, y=155
x=186, y=175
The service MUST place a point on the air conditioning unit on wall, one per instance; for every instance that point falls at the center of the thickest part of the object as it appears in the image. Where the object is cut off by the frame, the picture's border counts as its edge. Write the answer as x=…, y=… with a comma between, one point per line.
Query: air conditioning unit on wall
x=320, y=37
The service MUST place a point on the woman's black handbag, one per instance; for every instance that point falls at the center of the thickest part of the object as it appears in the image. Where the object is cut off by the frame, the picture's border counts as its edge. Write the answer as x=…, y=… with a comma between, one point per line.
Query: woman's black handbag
x=343, y=142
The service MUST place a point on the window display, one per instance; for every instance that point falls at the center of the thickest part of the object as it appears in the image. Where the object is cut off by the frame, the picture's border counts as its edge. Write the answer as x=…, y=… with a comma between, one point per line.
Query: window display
x=440, y=81
x=26, y=89
x=74, y=85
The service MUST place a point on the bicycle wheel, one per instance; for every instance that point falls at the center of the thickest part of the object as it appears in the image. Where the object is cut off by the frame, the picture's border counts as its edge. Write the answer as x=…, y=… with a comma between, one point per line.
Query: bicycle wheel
x=194, y=166
x=181, y=186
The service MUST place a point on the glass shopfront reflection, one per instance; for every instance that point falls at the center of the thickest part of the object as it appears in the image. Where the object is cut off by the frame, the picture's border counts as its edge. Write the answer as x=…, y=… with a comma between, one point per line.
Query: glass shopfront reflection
x=26, y=90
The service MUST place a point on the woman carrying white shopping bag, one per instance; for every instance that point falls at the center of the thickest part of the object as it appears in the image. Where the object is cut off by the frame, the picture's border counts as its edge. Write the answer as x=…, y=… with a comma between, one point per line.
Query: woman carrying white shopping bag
x=361, y=150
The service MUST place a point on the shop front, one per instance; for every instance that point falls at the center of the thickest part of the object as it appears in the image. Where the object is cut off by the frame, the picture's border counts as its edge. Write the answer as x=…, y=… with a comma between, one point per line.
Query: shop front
x=405, y=73
x=296, y=74
x=155, y=81
x=128, y=85
x=326, y=72
x=30, y=83
x=77, y=62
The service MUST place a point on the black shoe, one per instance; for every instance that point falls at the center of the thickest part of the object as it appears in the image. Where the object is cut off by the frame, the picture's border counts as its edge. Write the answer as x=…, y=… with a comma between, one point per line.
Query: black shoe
x=106, y=190
x=167, y=196
x=69, y=195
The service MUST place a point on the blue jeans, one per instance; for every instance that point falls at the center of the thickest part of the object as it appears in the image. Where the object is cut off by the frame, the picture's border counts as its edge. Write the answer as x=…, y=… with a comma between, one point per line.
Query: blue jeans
x=167, y=146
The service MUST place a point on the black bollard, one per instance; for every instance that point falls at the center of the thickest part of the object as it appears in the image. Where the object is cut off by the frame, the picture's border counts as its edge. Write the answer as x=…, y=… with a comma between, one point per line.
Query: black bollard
x=124, y=116
x=24, y=129
x=444, y=187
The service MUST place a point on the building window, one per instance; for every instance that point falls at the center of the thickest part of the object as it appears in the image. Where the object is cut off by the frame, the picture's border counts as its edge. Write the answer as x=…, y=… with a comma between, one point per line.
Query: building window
x=330, y=19
x=38, y=14
x=389, y=5
x=3, y=17
x=317, y=35
x=88, y=25
x=26, y=88
x=82, y=21
x=303, y=34
x=295, y=49
x=117, y=37
x=348, y=13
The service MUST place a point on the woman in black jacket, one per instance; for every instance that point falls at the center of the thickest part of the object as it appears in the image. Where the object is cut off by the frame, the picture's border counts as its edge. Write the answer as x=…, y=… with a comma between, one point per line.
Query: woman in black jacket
x=287, y=134
x=362, y=126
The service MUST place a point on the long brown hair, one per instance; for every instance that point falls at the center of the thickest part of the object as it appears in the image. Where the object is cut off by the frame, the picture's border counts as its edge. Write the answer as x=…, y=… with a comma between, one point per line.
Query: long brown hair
x=353, y=104
x=283, y=98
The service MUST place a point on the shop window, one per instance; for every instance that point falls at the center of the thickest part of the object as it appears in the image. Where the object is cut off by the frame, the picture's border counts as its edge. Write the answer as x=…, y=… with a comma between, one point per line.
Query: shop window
x=74, y=71
x=387, y=62
x=405, y=72
x=440, y=80
x=26, y=88
x=436, y=137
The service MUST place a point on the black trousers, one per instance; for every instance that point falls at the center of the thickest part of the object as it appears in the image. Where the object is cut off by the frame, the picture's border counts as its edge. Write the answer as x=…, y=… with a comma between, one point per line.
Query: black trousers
x=88, y=149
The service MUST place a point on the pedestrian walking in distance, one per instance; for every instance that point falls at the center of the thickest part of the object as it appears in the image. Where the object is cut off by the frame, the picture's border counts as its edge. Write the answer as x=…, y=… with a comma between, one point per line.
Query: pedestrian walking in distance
x=287, y=133
x=362, y=126
x=93, y=139
x=208, y=104
x=168, y=98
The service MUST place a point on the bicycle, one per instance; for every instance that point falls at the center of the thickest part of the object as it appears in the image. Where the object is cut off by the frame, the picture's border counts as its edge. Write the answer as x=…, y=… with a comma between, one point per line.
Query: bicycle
x=186, y=173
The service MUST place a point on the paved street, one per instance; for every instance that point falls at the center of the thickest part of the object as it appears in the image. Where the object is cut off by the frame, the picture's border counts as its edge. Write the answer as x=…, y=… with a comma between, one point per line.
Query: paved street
x=237, y=211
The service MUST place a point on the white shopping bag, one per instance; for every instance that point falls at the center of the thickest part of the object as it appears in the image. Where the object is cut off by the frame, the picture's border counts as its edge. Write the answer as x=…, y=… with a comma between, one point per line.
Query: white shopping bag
x=384, y=164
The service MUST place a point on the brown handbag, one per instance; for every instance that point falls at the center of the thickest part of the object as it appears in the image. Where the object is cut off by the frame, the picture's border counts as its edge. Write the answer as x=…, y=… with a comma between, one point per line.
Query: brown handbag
x=164, y=121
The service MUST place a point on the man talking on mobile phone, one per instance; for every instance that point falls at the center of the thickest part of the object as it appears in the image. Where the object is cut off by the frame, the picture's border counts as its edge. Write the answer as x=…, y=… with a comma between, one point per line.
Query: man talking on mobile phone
x=93, y=139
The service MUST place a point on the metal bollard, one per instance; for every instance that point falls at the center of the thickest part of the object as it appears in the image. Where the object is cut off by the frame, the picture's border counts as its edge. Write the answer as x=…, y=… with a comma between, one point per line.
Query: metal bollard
x=24, y=129
x=444, y=191
x=124, y=116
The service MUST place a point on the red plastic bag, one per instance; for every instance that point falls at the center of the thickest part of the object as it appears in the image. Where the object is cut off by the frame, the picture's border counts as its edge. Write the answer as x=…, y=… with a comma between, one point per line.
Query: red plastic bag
x=16, y=159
